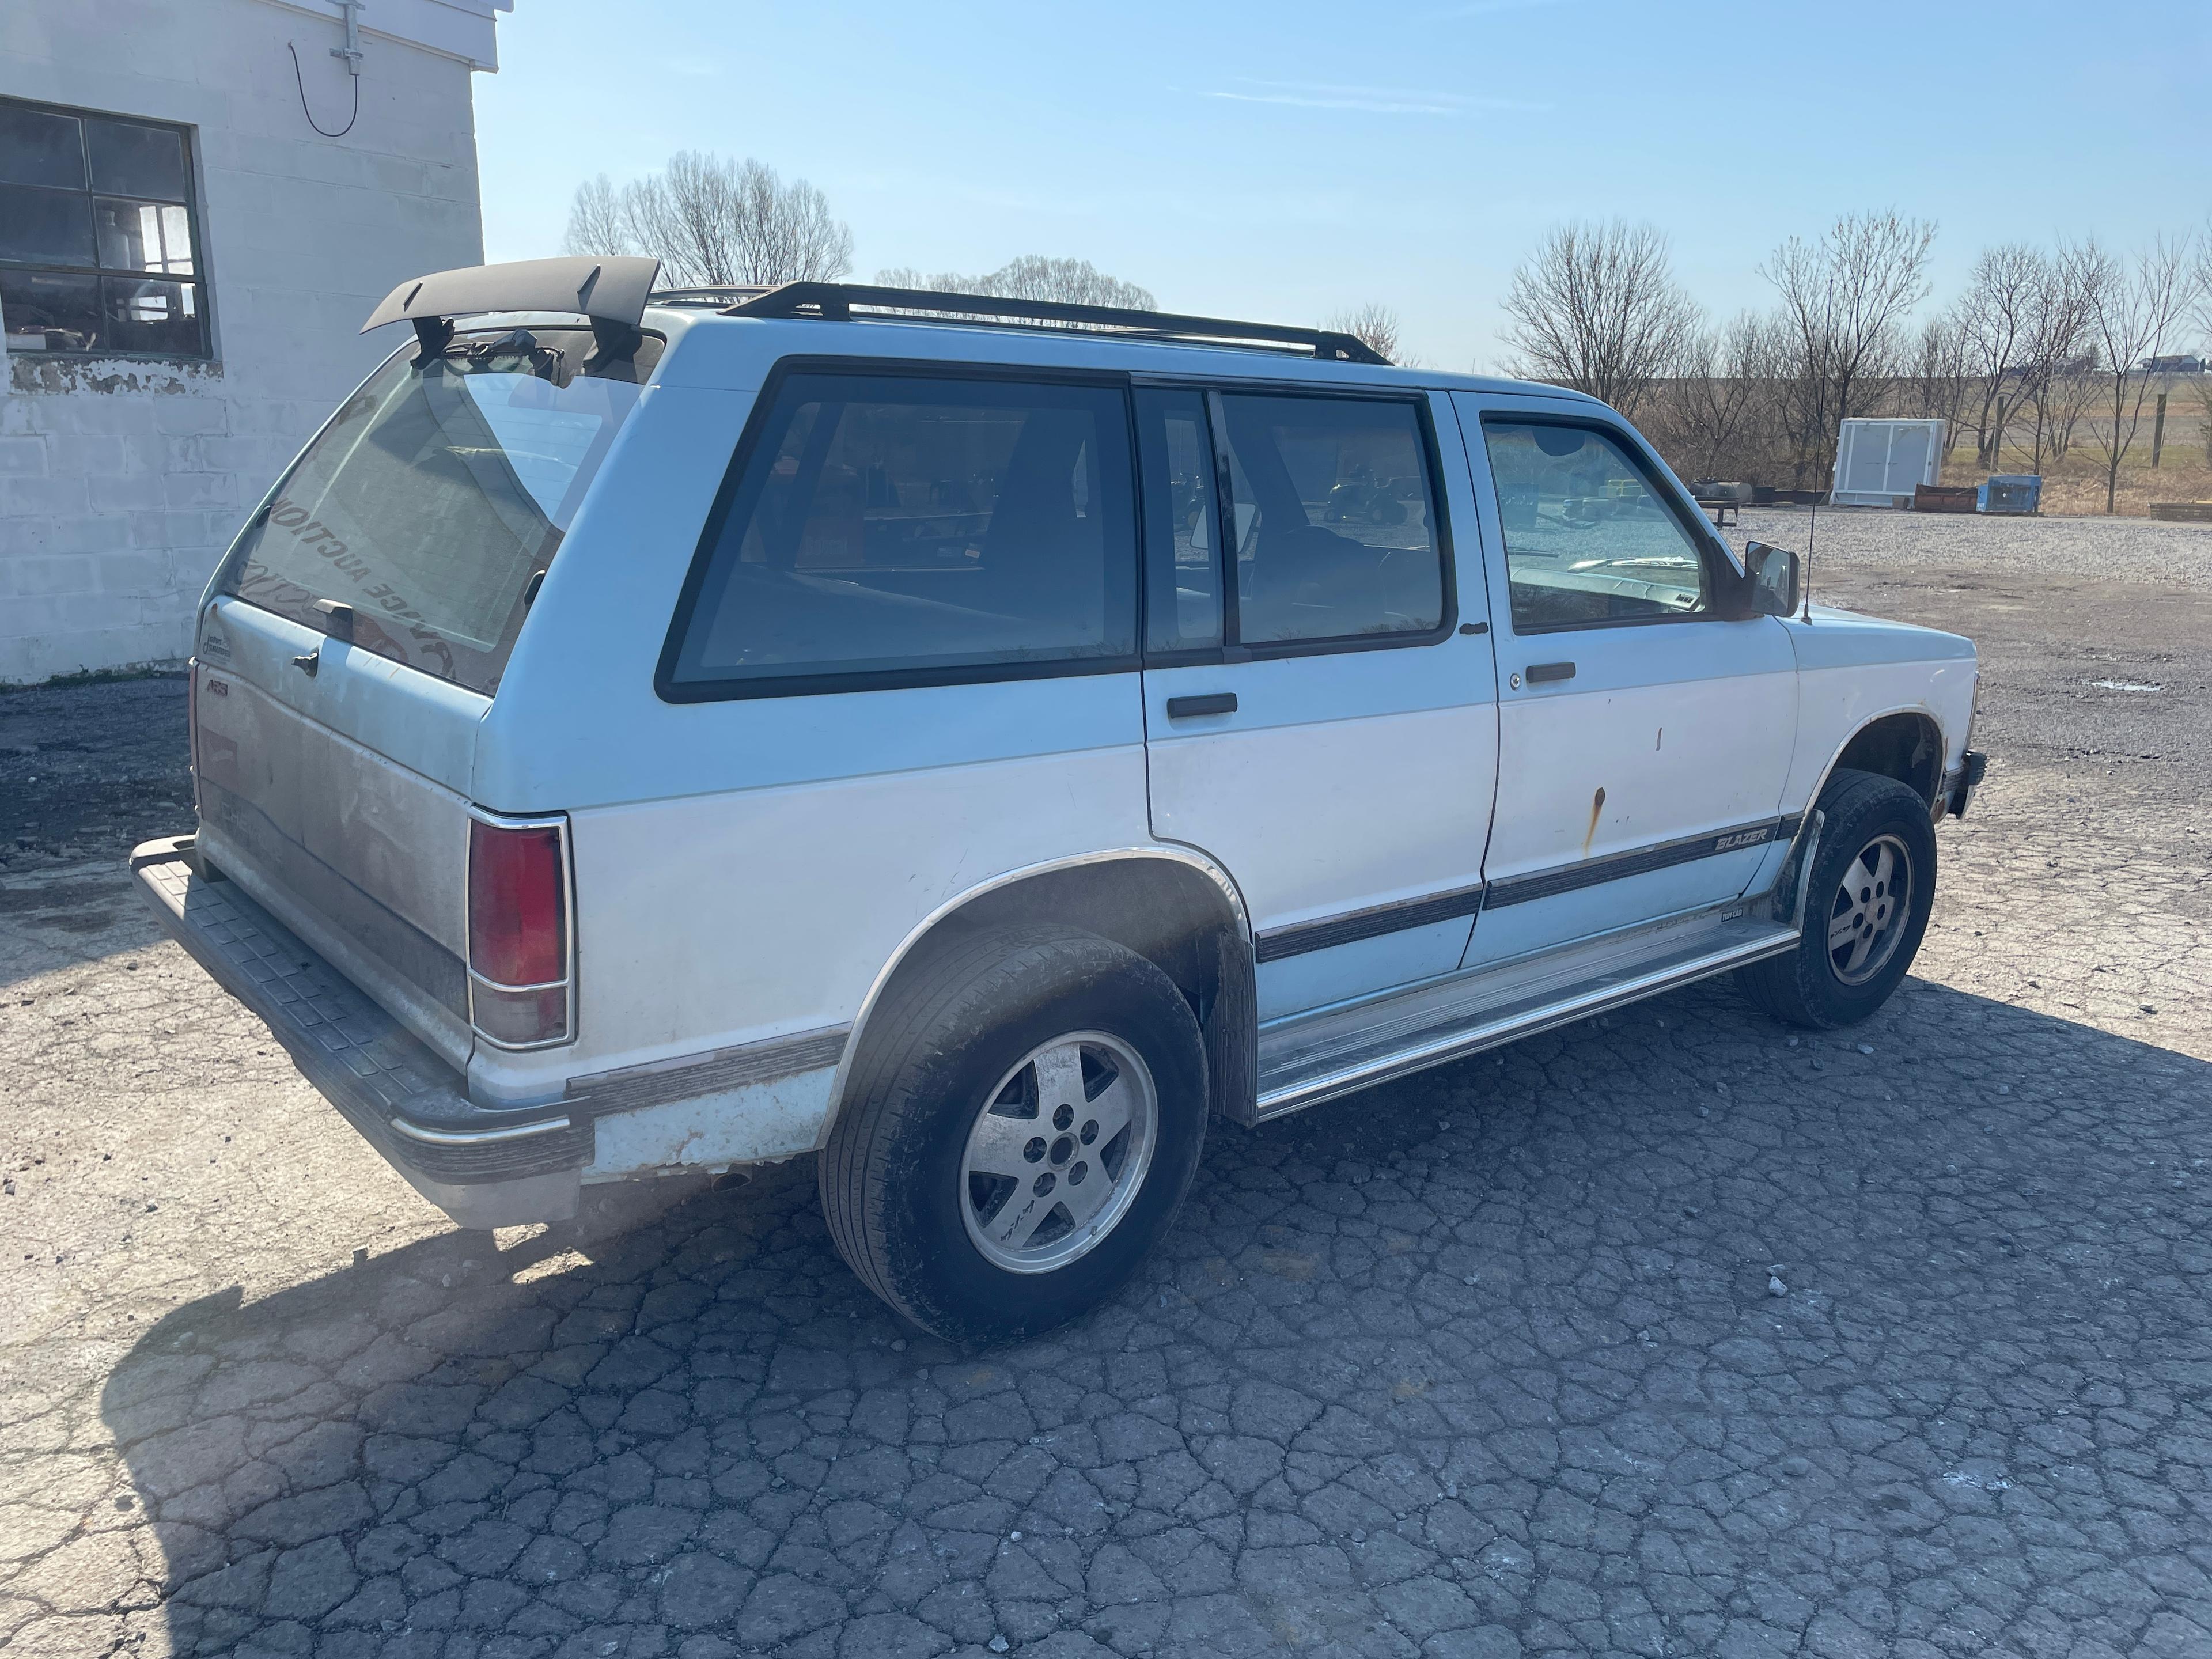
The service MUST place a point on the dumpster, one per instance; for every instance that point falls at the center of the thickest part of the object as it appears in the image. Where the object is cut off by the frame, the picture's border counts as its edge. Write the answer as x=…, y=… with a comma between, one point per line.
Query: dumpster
x=2010, y=492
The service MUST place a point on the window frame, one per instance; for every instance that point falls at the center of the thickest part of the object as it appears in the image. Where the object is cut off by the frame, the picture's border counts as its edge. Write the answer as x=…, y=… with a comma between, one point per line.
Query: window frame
x=1233, y=649
x=200, y=279
x=801, y=683
x=1717, y=567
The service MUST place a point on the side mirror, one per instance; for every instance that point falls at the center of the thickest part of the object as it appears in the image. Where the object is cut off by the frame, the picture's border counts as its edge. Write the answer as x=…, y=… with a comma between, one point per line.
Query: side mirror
x=1776, y=576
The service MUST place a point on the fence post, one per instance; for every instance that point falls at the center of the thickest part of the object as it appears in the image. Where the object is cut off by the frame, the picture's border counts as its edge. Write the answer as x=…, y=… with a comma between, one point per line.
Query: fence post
x=2157, y=432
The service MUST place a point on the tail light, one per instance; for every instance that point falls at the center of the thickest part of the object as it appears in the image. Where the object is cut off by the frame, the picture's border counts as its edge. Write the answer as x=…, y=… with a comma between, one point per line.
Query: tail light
x=522, y=976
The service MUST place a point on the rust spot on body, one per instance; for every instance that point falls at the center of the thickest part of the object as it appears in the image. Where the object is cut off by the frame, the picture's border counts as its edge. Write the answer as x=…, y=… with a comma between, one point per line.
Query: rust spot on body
x=1597, y=806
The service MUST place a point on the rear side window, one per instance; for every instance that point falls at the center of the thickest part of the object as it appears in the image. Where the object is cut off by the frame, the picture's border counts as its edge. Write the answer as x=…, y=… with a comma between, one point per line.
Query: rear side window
x=1335, y=533
x=914, y=531
x=437, y=495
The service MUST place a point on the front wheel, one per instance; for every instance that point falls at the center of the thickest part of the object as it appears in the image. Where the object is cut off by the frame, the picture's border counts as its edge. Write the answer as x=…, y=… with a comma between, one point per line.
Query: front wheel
x=1019, y=1135
x=1866, y=906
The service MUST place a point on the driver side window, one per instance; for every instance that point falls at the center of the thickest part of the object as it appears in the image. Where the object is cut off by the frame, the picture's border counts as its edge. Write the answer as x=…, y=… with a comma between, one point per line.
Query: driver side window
x=1588, y=538
x=1336, y=528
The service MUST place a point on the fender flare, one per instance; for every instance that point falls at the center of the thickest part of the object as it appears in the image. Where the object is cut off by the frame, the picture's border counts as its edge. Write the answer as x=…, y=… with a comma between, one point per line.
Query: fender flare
x=1920, y=711
x=1157, y=852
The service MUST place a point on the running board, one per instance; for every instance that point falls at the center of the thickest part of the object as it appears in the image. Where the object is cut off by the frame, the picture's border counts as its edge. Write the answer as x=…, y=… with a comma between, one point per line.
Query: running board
x=1334, y=1051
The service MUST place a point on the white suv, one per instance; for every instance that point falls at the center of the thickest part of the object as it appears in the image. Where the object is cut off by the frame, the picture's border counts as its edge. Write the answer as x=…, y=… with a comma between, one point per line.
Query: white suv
x=981, y=741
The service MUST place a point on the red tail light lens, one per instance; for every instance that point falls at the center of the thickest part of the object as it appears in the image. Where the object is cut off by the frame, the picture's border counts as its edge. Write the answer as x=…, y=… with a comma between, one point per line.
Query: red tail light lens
x=518, y=905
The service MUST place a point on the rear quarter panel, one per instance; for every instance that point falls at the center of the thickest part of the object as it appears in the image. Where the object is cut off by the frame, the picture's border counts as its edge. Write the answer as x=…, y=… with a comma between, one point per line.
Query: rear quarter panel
x=744, y=869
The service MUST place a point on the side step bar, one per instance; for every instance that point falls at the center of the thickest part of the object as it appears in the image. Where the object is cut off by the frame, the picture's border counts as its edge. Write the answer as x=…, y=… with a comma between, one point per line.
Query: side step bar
x=1332, y=1052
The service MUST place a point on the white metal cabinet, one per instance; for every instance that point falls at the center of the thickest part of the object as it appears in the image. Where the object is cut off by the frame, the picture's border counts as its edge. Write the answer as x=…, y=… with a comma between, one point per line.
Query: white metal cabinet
x=1649, y=782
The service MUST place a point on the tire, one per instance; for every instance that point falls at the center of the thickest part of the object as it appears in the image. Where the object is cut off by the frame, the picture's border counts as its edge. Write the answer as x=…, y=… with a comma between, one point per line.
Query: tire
x=1861, y=937
x=959, y=1083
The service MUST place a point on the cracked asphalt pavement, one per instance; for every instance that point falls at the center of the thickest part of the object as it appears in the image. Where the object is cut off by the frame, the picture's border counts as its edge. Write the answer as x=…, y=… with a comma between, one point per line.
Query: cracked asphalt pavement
x=1670, y=1332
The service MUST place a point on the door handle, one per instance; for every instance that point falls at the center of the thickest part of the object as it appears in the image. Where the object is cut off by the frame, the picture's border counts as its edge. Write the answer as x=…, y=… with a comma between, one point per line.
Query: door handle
x=309, y=664
x=1541, y=671
x=1211, y=702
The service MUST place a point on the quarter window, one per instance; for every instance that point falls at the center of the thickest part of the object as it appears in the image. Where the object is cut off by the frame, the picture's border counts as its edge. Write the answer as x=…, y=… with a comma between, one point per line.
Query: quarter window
x=1335, y=529
x=923, y=529
x=98, y=238
x=1588, y=539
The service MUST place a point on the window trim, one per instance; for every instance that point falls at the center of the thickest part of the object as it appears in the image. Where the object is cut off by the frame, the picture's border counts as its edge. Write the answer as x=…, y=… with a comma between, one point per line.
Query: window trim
x=1719, y=572
x=201, y=279
x=1234, y=649
x=669, y=689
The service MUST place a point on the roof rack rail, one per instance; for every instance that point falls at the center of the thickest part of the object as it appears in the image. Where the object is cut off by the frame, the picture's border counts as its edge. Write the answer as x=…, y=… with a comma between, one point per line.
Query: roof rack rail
x=714, y=295
x=836, y=301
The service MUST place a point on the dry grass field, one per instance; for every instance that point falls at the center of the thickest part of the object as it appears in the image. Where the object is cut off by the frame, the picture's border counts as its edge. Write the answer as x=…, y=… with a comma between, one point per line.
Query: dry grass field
x=2076, y=485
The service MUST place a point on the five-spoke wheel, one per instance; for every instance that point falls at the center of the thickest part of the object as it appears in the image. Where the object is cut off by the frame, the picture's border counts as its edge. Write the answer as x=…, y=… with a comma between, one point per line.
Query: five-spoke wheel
x=1868, y=917
x=1867, y=897
x=1018, y=1130
x=1059, y=1152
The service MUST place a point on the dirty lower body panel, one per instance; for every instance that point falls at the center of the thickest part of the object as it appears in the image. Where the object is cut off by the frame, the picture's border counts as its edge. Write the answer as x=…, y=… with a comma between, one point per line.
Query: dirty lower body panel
x=483, y=1168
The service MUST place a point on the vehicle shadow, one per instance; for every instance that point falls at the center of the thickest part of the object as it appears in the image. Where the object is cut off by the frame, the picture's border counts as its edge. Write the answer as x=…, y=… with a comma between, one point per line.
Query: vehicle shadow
x=1672, y=1331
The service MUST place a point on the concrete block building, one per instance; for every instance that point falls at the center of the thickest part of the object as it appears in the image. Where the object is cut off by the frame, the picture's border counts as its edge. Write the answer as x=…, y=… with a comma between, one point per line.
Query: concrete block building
x=199, y=203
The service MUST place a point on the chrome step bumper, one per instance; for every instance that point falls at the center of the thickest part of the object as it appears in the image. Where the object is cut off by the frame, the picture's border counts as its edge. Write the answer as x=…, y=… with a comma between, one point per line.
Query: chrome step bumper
x=483, y=1168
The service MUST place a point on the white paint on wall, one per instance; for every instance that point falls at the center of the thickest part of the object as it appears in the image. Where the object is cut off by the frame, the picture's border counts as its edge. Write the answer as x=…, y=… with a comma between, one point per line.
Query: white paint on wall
x=121, y=481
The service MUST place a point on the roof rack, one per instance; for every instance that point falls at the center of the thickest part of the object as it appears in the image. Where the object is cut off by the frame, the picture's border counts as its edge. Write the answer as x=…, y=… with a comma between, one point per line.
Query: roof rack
x=837, y=301
x=715, y=296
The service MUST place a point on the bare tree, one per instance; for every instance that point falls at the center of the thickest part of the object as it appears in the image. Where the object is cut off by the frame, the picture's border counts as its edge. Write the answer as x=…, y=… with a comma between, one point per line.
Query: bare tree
x=2135, y=311
x=1995, y=317
x=1031, y=276
x=1937, y=377
x=597, y=223
x=1712, y=410
x=2056, y=374
x=712, y=222
x=1596, y=307
x=1374, y=325
x=1844, y=299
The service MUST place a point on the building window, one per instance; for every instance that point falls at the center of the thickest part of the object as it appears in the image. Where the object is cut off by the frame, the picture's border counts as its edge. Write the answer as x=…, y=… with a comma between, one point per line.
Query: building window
x=99, y=238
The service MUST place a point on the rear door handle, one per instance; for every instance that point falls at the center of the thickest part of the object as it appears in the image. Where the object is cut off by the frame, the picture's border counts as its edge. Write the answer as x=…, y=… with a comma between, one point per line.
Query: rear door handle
x=309, y=664
x=1539, y=672
x=1211, y=702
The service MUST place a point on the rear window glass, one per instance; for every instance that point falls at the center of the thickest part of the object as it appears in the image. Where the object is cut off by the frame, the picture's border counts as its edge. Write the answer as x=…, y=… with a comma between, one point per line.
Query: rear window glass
x=926, y=529
x=437, y=496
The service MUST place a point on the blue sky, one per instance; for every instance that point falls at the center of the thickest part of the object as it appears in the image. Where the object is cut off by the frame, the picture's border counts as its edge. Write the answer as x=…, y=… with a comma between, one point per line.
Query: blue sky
x=1288, y=160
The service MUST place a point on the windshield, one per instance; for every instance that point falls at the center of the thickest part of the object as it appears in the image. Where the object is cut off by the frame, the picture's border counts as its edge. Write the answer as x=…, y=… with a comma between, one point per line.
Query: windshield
x=436, y=497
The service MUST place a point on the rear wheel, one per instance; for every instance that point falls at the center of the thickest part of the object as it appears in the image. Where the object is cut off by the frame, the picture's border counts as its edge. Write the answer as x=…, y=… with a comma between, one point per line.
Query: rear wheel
x=1866, y=906
x=1019, y=1133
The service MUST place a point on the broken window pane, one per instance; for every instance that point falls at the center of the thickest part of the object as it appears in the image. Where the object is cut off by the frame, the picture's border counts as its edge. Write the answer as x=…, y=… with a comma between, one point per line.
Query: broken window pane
x=144, y=236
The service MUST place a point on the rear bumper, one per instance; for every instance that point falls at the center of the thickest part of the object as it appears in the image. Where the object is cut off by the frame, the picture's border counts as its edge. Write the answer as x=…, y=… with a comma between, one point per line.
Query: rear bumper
x=483, y=1168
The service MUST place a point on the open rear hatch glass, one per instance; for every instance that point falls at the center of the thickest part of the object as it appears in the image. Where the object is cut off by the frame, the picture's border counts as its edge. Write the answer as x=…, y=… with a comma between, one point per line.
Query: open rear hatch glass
x=432, y=503
x=414, y=530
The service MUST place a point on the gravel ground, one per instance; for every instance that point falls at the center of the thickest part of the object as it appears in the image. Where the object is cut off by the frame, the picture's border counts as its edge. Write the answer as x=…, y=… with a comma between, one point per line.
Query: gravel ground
x=1672, y=1333
x=2108, y=550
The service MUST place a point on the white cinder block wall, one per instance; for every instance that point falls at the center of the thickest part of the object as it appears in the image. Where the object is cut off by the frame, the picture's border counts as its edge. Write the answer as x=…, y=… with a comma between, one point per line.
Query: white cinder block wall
x=121, y=481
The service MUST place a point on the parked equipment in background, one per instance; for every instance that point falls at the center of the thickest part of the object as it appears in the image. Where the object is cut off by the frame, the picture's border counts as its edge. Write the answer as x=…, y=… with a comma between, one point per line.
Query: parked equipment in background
x=2182, y=512
x=1945, y=498
x=1881, y=462
x=2018, y=493
x=1724, y=498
